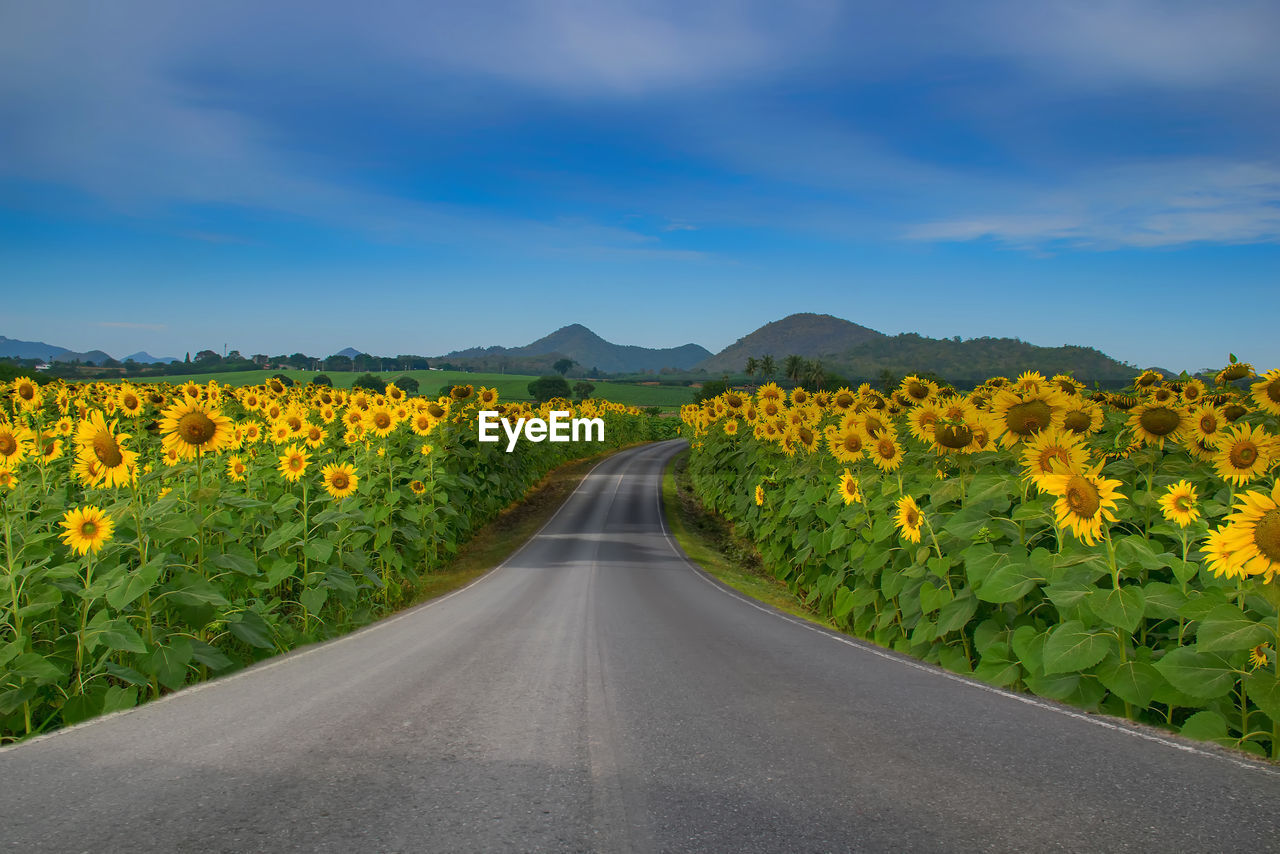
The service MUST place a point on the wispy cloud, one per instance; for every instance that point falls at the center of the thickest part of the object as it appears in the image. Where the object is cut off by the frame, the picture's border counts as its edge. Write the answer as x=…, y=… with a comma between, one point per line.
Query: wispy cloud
x=1145, y=206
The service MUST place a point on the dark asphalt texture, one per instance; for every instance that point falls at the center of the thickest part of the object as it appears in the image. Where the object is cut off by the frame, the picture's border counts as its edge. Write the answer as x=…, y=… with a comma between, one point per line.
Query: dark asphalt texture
x=598, y=693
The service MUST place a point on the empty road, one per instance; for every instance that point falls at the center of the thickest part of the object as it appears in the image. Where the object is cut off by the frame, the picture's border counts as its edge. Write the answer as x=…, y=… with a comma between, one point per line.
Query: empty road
x=598, y=693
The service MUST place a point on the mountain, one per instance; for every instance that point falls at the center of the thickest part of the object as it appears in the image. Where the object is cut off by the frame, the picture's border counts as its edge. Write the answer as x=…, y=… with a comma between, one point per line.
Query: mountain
x=15, y=349
x=349, y=352
x=142, y=357
x=814, y=336
x=585, y=347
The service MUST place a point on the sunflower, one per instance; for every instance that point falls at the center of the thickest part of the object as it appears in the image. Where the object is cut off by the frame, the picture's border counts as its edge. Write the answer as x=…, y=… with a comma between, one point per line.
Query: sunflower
x=1154, y=422
x=8, y=480
x=1266, y=392
x=27, y=395
x=235, y=468
x=1148, y=378
x=293, y=463
x=731, y=427
x=49, y=446
x=15, y=443
x=315, y=435
x=1207, y=423
x=846, y=444
x=1219, y=555
x=769, y=391
x=1244, y=452
x=339, y=480
x=1193, y=392
x=1258, y=655
x=461, y=392
x=395, y=394
x=425, y=450
x=280, y=432
x=1179, y=503
x=87, y=528
x=380, y=420
x=799, y=396
x=97, y=439
x=1085, y=500
x=65, y=427
x=1250, y=541
x=1050, y=452
x=1021, y=415
x=922, y=420
x=804, y=436
x=909, y=519
x=1234, y=371
x=849, y=489
x=917, y=390
x=885, y=451
x=192, y=428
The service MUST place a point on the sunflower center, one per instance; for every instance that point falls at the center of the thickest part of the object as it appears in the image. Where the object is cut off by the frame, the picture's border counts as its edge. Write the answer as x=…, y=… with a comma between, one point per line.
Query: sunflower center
x=912, y=518
x=107, y=450
x=953, y=435
x=339, y=480
x=1077, y=421
x=1272, y=390
x=874, y=425
x=196, y=428
x=886, y=448
x=295, y=464
x=917, y=390
x=1208, y=424
x=1266, y=535
x=1182, y=503
x=1232, y=411
x=382, y=420
x=88, y=529
x=1024, y=419
x=1243, y=454
x=852, y=442
x=8, y=445
x=1082, y=497
x=1160, y=420
x=844, y=400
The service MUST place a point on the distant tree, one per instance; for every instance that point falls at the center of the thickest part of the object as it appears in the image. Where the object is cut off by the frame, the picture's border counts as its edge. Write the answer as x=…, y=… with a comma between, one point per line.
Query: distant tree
x=562, y=366
x=287, y=381
x=187, y=360
x=339, y=363
x=710, y=389
x=208, y=356
x=889, y=381
x=235, y=356
x=321, y=379
x=132, y=366
x=372, y=382
x=793, y=367
x=544, y=388
x=407, y=383
x=594, y=373
x=815, y=375
x=111, y=363
x=768, y=367
x=260, y=359
x=753, y=366
x=582, y=389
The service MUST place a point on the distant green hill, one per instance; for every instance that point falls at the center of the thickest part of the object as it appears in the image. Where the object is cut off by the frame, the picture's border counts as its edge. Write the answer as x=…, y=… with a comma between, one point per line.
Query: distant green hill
x=814, y=336
x=976, y=359
x=585, y=347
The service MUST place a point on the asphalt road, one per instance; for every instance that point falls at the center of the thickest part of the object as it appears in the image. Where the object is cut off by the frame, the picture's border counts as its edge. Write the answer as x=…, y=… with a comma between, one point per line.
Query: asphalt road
x=598, y=693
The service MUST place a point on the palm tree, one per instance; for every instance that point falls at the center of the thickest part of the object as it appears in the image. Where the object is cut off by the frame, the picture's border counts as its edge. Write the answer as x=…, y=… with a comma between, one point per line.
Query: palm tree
x=815, y=374
x=768, y=367
x=794, y=367
x=753, y=367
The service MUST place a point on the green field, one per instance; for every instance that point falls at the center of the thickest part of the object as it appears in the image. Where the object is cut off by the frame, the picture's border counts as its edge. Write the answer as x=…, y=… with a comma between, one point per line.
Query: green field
x=509, y=386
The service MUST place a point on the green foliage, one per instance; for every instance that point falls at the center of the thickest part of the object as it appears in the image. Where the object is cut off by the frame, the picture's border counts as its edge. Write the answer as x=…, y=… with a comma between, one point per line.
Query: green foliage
x=372, y=382
x=710, y=389
x=545, y=388
x=321, y=379
x=582, y=389
x=406, y=383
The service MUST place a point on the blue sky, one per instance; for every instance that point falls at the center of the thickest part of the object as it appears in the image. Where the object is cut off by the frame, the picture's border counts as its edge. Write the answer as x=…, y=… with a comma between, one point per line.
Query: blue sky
x=421, y=177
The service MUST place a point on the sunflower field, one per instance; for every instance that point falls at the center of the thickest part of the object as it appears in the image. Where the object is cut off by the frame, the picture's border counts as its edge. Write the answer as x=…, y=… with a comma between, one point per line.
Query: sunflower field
x=157, y=535
x=1115, y=551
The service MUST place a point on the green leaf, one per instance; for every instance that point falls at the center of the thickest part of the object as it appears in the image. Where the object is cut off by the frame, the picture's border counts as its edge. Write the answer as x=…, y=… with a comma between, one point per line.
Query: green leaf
x=121, y=636
x=1071, y=648
x=133, y=585
x=243, y=564
x=1163, y=600
x=318, y=550
x=1205, y=675
x=1134, y=682
x=1009, y=582
x=1207, y=726
x=37, y=668
x=1263, y=688
x=956, y=613
x=249, y=627
x=1121, y=608
x=1028, y=644
x=1226, y=629
x=173, y=528
x=282, y=535
x=313, y=598
x=117, y=698
x=169, y=662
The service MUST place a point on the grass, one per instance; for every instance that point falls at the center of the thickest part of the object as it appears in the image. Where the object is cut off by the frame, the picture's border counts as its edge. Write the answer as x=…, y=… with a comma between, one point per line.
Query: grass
x=509, y=386
x=710, y=542
x=513, y=527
